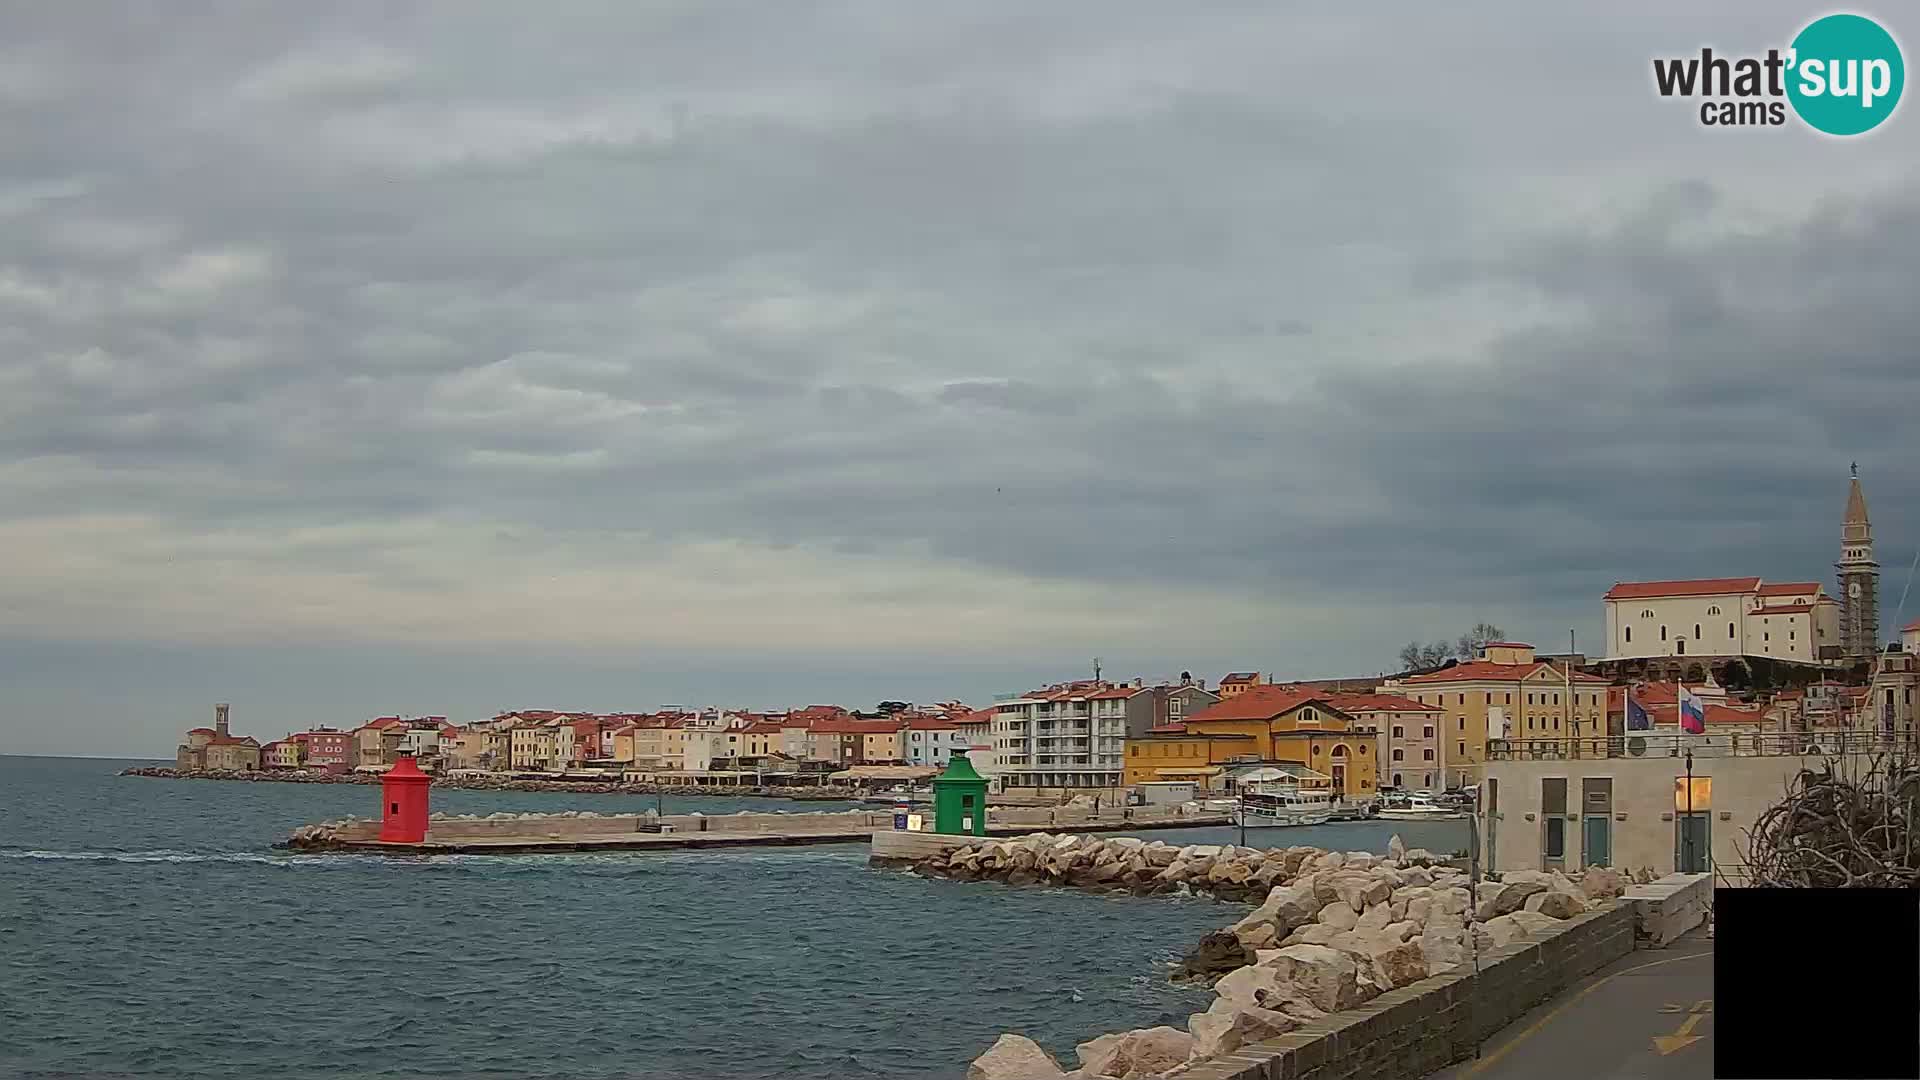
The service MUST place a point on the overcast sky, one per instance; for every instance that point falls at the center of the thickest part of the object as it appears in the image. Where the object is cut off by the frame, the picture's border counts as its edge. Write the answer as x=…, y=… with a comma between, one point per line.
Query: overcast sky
x=363, y=358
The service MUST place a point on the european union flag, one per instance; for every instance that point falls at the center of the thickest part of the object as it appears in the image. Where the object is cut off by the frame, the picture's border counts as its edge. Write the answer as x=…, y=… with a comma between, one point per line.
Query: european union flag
x=1638, y=718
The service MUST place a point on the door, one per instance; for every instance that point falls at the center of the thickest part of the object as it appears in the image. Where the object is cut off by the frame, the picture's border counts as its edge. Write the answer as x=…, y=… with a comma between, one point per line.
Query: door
x=1339, y=781
x=1599, y=840
x=1692, y=843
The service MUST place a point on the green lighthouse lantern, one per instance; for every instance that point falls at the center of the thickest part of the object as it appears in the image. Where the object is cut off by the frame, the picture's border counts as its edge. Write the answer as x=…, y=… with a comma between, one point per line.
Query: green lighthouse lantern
x=960, y=799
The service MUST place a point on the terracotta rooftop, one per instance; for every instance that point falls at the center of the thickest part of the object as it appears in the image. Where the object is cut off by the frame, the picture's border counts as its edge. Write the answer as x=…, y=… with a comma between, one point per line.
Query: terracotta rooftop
x=1356, y=703
x=1788, y=588
x=1648, y=590
x=1239, y=677
x=1259, y=703
x=1488, y=671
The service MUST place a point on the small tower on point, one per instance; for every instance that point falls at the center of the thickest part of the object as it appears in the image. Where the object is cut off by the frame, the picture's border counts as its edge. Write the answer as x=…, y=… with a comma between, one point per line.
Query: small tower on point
x=220, y=721
x=403, y=803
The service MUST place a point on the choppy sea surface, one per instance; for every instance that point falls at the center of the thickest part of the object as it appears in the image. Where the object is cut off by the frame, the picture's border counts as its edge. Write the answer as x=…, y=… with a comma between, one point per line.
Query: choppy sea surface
x=148, y=929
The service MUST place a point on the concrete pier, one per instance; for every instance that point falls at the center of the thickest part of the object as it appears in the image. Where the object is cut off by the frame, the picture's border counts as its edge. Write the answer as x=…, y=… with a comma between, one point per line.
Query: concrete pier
x=519, y=835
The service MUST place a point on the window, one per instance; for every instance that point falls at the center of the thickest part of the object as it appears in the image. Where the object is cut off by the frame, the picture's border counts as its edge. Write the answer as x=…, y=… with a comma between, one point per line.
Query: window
x=1429, y=780
x=1396, y=779
x=1136, y=751
x=1463, y=750
x=1463, y=699
x=1529, y=723
x=1427, y=754
x=1729, y=631
x=1646, y=613
x=1399, y=754
x=1556, y=723
x=1556, y=840
x=1509, y=699
x=1460, y=723
x=1714, y=610
x=1696, y=631
x=1629, y=633
x=1556, y=699
x=1529, y=699
x=1428, y=734
x=1663, y=632
x=1791, y=635
x=1766, y=637
x=1399, y=732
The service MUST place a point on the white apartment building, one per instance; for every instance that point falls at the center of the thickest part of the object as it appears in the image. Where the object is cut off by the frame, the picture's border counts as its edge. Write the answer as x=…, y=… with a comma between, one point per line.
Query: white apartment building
x=1068, y=736
x=1718, y=618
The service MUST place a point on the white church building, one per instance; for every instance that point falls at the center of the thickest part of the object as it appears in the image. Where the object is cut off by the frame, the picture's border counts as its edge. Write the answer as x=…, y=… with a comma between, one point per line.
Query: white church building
x=1722, y=618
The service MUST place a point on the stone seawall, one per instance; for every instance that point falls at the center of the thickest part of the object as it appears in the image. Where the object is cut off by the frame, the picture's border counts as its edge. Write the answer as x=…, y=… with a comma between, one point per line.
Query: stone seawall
x=1340, y=940
x=1410, y=1032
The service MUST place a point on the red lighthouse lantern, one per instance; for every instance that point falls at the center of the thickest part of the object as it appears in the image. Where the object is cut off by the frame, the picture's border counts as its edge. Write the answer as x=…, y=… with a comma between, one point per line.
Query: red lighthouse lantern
x=403, y=799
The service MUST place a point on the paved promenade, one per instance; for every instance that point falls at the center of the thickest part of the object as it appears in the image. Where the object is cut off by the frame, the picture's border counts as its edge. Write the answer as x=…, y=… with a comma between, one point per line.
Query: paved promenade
x=1647, y=1016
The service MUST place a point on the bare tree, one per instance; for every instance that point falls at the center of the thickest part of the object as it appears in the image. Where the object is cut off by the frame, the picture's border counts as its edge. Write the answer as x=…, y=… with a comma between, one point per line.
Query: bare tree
x=1476, y=639
x=1848, y=824
x=1417, y=657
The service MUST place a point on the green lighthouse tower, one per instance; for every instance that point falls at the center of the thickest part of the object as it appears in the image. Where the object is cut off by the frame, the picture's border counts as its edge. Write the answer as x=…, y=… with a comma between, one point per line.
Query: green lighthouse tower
x=960, y=799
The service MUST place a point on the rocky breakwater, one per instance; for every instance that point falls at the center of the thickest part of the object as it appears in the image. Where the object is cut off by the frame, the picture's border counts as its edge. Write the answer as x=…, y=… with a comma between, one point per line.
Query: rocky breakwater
x=1119, y=864
x=1333, y=930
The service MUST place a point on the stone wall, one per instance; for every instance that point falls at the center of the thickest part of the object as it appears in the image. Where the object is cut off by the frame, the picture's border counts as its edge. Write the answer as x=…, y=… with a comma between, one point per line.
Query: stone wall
x=1407, y=1033
x=1669, y=907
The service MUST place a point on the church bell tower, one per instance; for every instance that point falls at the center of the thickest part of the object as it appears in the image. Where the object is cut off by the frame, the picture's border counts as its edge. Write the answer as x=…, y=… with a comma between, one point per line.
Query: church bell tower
x=1859, y=579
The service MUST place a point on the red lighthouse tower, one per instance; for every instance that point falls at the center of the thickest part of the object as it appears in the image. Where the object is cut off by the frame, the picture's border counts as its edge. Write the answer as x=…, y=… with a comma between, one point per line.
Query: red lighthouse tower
x=403, y=799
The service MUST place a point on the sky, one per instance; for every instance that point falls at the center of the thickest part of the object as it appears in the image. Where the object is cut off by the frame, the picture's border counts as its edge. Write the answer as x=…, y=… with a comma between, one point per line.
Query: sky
x=445, y=358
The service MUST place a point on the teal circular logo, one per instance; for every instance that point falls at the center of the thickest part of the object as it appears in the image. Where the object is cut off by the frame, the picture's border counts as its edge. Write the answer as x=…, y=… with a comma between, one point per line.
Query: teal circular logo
x=1845, y=74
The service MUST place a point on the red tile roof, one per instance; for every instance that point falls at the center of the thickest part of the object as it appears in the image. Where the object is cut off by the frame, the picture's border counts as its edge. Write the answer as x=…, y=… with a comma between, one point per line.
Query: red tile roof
x=1239, y=677
x=1788, y=588
x=1259, y=703
x=200, y=731
x=1488, y=671
x=1359, y=703
x=1783, y=609
x=1508, y=645
x=1911, y=627
x=931, y=723
x=1647, y=590
x=837, y=726
x=1116, y=693
x=764, y=727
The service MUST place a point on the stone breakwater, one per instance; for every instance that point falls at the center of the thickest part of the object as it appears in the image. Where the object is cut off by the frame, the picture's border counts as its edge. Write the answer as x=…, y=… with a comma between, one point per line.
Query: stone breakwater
x=1332, y=930
x=502, y=783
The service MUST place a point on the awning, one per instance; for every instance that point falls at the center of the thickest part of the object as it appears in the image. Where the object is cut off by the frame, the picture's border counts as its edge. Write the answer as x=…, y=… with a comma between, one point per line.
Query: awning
x=887, y=772
x=1210, y=770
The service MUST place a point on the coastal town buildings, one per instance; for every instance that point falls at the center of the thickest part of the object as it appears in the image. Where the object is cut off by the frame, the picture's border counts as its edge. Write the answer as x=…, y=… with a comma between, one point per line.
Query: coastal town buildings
x=217, y=747
x=932, y=740
x=1073, y=736
x=1406, y=736
x=1686, y=624
x=1264, y=725
x=326, y=748
x=1504, y=694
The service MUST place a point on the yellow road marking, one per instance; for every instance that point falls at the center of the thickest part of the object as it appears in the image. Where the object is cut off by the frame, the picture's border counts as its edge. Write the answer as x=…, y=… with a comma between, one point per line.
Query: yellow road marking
x=1534, y=1028
x=1681, y=1039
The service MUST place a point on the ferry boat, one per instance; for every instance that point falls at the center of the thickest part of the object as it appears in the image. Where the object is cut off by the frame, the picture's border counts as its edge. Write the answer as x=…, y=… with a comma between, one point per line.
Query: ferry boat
x=1415, y=808
x=1271, y=804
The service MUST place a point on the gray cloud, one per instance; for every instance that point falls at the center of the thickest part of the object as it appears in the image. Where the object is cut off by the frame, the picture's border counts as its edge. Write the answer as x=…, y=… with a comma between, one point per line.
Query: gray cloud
x=994, y=333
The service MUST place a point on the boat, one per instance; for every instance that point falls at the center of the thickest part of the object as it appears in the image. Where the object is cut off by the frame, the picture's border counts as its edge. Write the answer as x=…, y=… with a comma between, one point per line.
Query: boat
x=900, y=794
x=1415, y=808
x=1268, y=804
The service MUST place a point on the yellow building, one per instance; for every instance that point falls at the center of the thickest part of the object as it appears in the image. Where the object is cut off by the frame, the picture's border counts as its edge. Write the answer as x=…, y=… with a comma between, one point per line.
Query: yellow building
x=1507, y=695
x=660, y=747
x=881, y=746
x=1261, y=725
x=283, y=754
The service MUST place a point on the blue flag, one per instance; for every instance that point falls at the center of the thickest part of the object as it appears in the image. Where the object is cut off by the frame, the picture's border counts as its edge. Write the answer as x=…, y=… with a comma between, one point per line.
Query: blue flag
x=1637, y=717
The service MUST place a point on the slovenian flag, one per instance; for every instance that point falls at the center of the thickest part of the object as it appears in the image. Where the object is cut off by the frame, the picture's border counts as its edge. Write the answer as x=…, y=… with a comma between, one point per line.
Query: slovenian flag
x=1637, y=716
x=1693, y=713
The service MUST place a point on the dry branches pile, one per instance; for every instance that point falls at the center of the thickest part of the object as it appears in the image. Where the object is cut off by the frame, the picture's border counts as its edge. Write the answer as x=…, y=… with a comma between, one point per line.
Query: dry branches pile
x=1842, y=826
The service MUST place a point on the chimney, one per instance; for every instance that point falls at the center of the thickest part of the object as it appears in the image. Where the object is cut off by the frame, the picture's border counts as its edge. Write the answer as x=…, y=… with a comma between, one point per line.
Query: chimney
x=220, y=719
